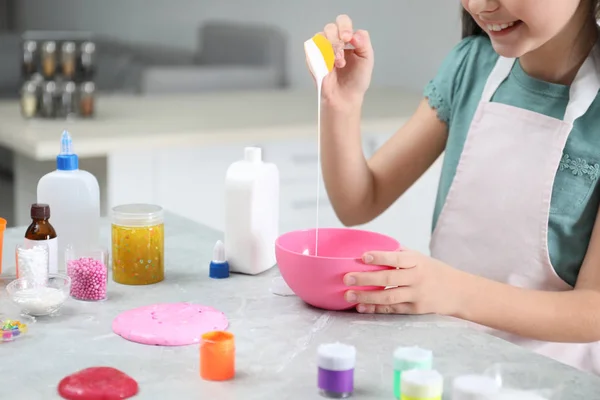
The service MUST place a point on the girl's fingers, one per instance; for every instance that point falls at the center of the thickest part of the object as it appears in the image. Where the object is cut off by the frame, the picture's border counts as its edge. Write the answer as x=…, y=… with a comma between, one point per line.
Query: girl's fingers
x=381, y=297
x=332, y=34
x=391, y=277
x=344, y=24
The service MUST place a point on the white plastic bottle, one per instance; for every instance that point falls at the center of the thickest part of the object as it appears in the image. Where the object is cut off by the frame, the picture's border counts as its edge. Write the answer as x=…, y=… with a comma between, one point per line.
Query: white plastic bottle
x=74, y=198
x=251, y=213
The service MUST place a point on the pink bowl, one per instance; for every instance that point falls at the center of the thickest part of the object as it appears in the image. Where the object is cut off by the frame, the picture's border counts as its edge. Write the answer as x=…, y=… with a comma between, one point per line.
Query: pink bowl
x=318, y=280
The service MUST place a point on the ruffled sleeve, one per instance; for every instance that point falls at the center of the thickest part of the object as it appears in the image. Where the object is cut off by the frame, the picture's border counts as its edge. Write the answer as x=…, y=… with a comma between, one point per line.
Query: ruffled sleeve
x=442, y=89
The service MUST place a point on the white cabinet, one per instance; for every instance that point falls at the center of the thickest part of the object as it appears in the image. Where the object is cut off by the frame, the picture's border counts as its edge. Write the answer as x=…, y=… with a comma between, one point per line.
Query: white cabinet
x=191, y=182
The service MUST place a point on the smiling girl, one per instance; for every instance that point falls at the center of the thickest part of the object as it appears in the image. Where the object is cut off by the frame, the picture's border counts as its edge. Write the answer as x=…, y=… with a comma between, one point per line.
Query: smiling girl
x=516, y=238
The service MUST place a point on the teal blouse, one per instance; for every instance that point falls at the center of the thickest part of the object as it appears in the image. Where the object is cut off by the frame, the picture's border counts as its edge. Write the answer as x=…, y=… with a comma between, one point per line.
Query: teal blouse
x=455, y=93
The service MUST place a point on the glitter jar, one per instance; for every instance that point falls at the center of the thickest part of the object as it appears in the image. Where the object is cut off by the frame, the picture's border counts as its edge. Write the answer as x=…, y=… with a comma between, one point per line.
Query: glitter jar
x=336, y=362
x=407, y=358
x=88, y=270
x=138, y=244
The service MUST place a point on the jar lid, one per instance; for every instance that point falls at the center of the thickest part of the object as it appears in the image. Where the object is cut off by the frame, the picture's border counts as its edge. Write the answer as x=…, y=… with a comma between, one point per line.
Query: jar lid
x=68, y=47
x=30, y=87
x=422, y=383
x=474, y=387
x=49, y=46
x=137, y=214
x=336, y=357
x=30, y=46
x=40, y=211
x=88, y=47
x=70, y=87
x=88, y=87
x=406, y=358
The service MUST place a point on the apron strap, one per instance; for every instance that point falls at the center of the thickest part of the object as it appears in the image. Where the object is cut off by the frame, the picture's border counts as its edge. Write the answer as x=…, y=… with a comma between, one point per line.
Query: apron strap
x=585, y=87
x=497, y=76
x=582, y=93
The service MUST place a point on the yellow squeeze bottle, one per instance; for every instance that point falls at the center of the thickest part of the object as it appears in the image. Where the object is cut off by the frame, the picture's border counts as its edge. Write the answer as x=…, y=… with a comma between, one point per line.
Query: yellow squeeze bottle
x=320, y=56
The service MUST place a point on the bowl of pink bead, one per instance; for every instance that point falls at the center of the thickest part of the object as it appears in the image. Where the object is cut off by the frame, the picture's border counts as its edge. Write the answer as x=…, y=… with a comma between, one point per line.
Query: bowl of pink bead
x=88, y=271
x=318, y=279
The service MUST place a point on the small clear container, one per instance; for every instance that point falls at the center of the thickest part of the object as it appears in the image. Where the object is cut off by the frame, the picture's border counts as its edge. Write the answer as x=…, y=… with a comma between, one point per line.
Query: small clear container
x=36, y=300
x=33, y=262
x=13, y=327
x=138, y=236
x=88, y=270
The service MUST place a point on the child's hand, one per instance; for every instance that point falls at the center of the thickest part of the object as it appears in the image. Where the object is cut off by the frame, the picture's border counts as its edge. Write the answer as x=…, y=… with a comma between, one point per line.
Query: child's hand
x=422, y=285
x=352, y=71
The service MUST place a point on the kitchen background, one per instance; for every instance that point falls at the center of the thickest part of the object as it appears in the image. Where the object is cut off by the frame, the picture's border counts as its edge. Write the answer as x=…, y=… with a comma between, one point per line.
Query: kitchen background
x=195, y=49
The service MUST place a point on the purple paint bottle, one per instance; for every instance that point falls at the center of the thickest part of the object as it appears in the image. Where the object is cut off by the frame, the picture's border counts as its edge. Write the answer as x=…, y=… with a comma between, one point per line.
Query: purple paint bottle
x=336, y=363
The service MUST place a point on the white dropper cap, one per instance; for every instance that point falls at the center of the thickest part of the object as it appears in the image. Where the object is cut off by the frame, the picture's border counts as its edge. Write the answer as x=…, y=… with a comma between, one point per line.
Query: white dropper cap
x=219, y=252
x=474, y=387
x=253, y=154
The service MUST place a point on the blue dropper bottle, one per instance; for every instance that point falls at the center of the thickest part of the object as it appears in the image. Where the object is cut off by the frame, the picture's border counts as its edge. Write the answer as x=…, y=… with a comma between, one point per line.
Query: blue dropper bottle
x=66, y=159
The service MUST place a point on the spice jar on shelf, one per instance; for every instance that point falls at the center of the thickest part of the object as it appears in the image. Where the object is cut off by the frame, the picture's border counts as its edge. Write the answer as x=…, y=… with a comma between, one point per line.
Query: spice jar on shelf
x=48, y=105
x=86, y=99
x=68, y=59
x=29, y=64
x=88, y=270
x=68, y=104
x=49, y=59
x=29, y=99
x=87, y=61
x=138, y=244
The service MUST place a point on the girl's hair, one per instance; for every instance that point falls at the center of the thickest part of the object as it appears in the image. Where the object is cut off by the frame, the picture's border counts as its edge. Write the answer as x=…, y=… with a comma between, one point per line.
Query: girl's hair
x=470, y=27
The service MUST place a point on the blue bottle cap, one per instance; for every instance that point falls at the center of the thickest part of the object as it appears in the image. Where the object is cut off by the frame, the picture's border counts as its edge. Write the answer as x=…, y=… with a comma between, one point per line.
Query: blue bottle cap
x=219, y=267
x=66, y=159
x=219, y=270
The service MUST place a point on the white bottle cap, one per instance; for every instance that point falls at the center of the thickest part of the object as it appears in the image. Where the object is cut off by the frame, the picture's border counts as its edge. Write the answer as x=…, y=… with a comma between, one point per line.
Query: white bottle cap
x=407, y=358
x=422, y=383
x=474, y=387
x=252, y=154
x=336, y=357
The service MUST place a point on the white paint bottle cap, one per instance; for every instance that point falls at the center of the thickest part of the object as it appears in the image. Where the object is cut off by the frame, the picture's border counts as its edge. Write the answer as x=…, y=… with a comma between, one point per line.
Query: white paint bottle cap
x=422, y=384
x=474, y=387
x=407, y=358
x=336, y=357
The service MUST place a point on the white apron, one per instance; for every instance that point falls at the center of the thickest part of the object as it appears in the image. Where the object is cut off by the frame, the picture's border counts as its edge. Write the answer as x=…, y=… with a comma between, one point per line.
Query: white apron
x=494, y=222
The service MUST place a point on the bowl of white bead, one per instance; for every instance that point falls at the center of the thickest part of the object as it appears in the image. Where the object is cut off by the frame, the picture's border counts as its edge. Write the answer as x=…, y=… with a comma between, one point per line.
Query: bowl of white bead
x=33, y=298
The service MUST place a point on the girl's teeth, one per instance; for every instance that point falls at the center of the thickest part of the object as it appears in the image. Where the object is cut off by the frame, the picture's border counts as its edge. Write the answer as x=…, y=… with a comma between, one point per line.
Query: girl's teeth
x=498, y=28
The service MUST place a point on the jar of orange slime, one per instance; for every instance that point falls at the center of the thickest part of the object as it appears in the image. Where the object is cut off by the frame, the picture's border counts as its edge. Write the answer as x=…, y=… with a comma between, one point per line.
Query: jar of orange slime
x=138, y=244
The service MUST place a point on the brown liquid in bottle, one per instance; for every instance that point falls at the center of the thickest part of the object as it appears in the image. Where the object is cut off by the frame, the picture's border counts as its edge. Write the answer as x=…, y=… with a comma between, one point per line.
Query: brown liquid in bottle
x=40, y=228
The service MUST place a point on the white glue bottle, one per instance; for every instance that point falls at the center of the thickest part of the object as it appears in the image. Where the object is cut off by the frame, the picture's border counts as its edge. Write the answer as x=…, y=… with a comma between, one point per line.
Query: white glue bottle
x=251, y=213
x=74, y=198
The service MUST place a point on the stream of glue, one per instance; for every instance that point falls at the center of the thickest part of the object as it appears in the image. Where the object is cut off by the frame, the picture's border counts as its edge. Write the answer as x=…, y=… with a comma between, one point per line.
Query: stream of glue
x=319, y=85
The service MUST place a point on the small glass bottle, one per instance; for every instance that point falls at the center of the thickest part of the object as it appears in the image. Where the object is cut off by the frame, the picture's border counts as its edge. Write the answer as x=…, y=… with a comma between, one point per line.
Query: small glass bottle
x=138, y=237
x=86, y=99
x=29, y=65
x=68, y=106
x=87, y=61
x=49, y=59
x=48, y=106
x=68, y=59
x=29, y=99
x=41, y=229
